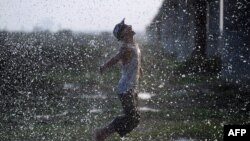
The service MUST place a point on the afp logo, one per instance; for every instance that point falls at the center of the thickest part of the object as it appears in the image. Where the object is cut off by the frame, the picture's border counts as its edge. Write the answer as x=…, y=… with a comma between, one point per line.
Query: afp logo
x=233, y=132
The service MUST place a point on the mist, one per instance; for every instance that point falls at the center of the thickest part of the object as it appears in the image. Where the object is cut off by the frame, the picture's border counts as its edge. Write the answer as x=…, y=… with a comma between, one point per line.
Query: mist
x=75, y=15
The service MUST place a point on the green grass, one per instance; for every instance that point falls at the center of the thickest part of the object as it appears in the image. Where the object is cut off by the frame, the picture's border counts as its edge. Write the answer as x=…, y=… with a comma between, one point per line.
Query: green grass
x=181, y=119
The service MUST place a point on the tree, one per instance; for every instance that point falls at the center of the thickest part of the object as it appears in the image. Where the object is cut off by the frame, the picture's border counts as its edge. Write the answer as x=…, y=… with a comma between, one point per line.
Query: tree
x=200, y=21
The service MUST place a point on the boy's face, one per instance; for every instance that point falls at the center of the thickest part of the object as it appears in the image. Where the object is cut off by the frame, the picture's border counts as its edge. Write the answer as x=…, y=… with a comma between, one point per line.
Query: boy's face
x=127, y=31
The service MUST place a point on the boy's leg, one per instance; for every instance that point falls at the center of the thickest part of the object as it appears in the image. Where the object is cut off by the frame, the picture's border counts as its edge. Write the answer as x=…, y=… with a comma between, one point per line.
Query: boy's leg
x=127, y=122
x=102, y=133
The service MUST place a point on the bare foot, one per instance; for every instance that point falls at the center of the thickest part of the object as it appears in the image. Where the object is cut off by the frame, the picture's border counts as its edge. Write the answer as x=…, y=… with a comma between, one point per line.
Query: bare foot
x=100, y=134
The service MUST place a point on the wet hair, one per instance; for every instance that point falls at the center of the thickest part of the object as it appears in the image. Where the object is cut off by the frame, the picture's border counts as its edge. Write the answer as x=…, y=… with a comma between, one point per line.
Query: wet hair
x=118, y=29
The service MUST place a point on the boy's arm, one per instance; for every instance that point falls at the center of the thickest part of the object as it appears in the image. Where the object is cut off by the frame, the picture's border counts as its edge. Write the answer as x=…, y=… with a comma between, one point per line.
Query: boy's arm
x=111, y=62
x=141, y=72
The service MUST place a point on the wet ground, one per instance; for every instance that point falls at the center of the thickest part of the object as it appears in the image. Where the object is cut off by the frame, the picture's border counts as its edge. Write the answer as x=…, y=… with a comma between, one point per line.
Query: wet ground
x=182, y=113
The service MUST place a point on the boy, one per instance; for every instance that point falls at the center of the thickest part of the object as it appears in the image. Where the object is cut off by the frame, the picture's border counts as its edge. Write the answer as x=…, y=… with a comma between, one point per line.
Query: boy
x=130, y=57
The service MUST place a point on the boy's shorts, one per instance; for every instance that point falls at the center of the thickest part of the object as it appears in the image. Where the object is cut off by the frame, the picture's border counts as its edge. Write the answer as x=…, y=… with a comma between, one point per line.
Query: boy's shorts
x=127, y=122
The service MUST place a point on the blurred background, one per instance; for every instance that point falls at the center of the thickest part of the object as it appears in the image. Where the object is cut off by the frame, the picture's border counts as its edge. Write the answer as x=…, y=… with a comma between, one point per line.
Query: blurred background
x=195, y=56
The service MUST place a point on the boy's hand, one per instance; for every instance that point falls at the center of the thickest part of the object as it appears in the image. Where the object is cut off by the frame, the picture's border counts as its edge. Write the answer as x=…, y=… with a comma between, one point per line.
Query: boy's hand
x=101, y=69
x=141, y=72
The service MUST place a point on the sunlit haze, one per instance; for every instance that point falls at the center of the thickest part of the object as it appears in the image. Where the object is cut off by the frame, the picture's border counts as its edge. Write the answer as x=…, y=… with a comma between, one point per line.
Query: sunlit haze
x=76, y=15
